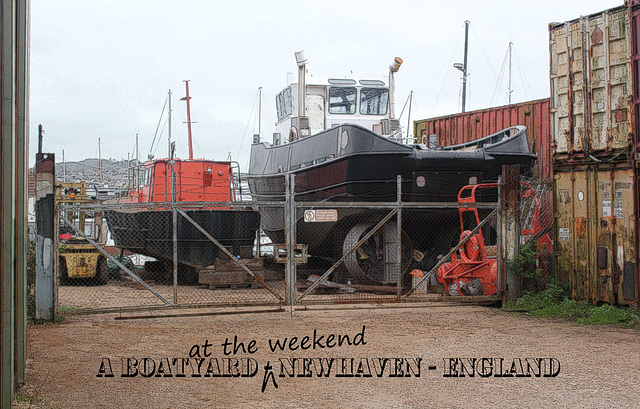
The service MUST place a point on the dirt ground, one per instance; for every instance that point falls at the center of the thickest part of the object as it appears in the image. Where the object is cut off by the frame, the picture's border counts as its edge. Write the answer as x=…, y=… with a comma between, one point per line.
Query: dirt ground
x=599, y=366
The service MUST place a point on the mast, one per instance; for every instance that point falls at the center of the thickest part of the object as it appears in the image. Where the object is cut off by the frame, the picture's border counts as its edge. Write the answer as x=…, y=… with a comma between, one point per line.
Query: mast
x=510, y=90
x=64, y=168
x=169, y=145
x=188, y=98
x=464, y=67
x=137, y=172
x=100, y=160
x=259, y=110
x=409, y=115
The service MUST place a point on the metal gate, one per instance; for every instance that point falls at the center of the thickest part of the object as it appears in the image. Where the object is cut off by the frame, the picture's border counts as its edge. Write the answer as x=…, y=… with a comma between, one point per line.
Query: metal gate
x=390, y=251
x=131, y=256
x=164, y=256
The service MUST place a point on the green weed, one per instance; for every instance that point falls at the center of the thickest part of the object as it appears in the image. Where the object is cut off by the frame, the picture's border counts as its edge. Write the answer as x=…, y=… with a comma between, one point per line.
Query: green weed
x=554, y=303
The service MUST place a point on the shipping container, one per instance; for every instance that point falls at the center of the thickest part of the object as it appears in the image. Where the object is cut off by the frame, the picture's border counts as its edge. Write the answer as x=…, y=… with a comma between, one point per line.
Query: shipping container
x=593, y=127
x=591, y=85
x=595, y=223
x=468, y=126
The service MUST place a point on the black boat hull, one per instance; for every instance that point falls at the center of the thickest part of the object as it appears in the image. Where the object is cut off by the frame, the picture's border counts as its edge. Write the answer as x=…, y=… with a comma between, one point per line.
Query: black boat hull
x=350, y=163
x=150, y=232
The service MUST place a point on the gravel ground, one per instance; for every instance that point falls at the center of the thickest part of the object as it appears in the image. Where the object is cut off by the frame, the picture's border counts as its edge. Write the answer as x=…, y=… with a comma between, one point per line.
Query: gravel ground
x=599, y=366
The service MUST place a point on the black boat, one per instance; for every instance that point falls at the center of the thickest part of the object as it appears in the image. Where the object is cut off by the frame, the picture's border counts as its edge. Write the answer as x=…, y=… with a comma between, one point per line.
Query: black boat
x=347, y=147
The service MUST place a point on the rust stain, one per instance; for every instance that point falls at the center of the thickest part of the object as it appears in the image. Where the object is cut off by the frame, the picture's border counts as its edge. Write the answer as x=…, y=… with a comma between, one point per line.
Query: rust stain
x=581, y=228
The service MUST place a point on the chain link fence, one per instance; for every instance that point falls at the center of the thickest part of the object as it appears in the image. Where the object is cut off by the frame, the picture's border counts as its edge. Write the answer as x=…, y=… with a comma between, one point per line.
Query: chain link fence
x=398, y=251
x=129, y=256
x=535, y=260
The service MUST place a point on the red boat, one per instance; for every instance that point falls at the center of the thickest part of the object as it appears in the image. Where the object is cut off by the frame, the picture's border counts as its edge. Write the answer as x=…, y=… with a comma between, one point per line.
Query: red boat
x=206, y=190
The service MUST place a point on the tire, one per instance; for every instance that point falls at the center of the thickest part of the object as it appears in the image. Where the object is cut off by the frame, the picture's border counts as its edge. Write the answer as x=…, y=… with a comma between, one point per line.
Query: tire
x=372, y=268
x=102, y=272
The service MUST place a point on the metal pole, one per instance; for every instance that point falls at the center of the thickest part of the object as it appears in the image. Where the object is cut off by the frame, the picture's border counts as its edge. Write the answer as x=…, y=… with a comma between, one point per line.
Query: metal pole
x=7, y=202
x=22, y=164
x=499, y=231
x=175, y=230
x=510, y=44
x=464, y=72
x=64, y=168
x=100, y=162
x=188, y=99
x=169, y=142
x=137, y=168
x=40, y=135
x=290, y=273
x=409, y=115
x=399, y=233
x=259, y=110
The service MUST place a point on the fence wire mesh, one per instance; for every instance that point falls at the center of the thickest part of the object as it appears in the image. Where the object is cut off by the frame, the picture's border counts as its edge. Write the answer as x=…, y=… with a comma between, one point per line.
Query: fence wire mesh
x=392, y=251
x=534, y=263
x=130, y=256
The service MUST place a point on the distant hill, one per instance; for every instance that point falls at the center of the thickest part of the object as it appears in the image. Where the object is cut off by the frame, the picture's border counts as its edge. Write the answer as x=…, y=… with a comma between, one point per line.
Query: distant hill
x=114, y=172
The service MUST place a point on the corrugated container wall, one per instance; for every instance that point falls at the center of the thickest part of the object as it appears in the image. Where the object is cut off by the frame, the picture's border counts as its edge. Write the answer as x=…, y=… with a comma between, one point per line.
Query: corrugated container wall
x=468, y=126
x=595, y=180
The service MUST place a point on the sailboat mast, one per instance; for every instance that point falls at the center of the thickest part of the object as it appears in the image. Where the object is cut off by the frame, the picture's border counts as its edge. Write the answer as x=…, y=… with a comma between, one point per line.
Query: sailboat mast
x=100, y=160
x=188, y=98
x=169, y=141
x=464, y=72
x=510, y=91
x=137, y=172
x=259, y=110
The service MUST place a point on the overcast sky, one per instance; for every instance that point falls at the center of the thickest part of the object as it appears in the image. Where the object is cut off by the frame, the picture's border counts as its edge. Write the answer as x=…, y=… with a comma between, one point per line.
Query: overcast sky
x=101, y=69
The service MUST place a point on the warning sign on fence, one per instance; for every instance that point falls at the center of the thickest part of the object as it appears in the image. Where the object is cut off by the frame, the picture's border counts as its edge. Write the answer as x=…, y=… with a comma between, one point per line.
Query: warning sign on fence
x=321, y=215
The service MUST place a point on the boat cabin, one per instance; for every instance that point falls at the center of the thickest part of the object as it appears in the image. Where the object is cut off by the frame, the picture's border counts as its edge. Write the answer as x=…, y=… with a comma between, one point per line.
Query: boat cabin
x=334, y=102
x=196, y=181
x=312, y=105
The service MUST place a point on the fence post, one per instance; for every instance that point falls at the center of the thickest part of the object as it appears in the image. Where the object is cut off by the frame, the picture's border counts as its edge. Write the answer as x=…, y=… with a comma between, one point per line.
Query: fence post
x=290, y=229
x=499, y=243
x=174, y=224
x=511, y=238
x=399, y=235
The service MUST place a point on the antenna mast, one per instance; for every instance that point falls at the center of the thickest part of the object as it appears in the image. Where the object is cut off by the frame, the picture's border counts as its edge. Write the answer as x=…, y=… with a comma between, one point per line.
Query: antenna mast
x=464, y=72
x=100, y=160
x=188, y=98
x=259, y=110
x=510, y=90
x=169, y=147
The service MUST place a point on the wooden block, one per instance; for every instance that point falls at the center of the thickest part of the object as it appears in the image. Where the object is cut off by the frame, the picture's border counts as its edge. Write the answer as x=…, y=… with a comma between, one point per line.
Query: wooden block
x=253, y=264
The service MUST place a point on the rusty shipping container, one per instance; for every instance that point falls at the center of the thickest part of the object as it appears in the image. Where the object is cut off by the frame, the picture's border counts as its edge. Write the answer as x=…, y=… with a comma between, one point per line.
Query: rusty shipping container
x=468, y=126
x=593, y=127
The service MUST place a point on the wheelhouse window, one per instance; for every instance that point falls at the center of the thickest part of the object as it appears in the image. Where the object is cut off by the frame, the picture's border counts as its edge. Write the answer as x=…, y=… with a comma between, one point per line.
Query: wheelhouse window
x=374, y=101
x=342, y=100
x=284, y=103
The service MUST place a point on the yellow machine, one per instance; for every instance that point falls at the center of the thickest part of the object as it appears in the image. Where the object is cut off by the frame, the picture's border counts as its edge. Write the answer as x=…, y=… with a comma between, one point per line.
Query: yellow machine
x=79, y=258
